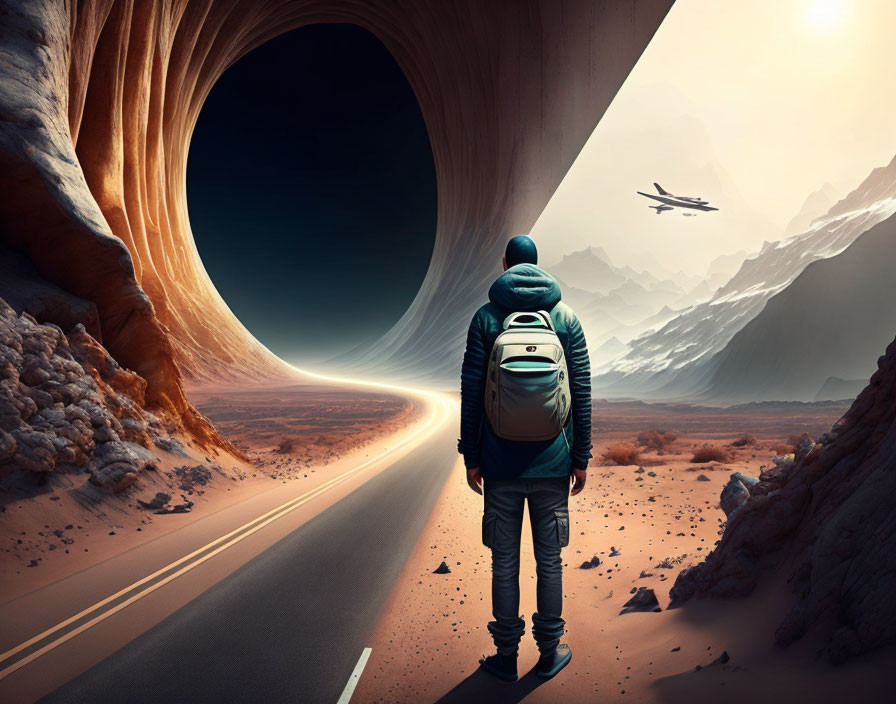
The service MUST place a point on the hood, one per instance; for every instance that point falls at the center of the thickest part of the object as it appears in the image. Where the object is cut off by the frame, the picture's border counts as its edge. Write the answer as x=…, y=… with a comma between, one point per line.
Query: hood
x=525, y=287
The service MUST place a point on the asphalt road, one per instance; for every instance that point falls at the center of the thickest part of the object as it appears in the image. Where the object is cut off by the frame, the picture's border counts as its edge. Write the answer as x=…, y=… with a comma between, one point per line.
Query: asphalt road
x=290, y=625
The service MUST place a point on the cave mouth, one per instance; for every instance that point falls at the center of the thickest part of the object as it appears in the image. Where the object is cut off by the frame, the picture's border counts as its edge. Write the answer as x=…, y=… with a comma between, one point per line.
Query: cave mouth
x=311, y=191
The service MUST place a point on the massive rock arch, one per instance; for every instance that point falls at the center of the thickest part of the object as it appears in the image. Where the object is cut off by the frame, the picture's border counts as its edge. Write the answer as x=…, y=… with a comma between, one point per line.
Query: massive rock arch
x=98, y=100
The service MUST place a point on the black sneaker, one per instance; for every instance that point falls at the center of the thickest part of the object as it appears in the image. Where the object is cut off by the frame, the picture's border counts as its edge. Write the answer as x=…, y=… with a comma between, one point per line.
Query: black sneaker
x=549, y=664
x=501, y=666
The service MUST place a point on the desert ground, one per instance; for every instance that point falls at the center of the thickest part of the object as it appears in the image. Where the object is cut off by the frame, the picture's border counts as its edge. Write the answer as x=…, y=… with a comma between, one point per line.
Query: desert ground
x=296, y=433
x=642, y=522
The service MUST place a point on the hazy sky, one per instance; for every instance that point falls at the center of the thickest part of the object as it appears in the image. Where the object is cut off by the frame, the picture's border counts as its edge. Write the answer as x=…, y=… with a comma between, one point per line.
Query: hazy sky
x=753, y=105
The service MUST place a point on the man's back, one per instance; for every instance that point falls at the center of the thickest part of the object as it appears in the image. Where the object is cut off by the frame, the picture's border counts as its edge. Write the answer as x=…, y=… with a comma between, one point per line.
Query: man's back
x=524, y=287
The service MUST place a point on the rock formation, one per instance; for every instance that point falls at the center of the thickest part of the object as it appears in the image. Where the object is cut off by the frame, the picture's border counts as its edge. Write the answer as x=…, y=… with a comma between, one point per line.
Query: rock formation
x=832, y=509
x=66, y=405
x=99, y=99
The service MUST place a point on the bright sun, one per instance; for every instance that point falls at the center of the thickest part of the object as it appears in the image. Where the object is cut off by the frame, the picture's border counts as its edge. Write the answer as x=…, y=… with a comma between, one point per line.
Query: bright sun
x=825, y=14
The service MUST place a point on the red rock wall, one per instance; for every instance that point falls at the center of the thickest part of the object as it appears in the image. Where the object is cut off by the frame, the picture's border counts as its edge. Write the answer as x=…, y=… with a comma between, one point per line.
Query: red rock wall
x=100, y=98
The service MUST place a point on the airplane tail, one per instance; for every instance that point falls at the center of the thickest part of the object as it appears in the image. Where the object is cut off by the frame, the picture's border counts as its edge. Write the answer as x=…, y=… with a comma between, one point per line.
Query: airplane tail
x=660, y=190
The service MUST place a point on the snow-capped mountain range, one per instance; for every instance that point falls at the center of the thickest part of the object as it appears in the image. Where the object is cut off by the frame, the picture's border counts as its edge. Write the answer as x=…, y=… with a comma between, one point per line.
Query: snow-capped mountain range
x=671, y=360
x=621, y=303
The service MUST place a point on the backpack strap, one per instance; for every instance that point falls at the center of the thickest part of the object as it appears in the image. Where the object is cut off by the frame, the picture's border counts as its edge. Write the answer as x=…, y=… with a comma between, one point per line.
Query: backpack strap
x=528, y=319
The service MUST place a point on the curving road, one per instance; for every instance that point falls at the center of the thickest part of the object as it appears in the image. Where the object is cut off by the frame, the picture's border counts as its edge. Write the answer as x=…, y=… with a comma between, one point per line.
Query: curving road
x=290, y=624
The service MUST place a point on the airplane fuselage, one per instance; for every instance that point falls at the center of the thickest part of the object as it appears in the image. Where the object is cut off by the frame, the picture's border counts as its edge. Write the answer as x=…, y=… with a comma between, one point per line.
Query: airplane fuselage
x=679, y=202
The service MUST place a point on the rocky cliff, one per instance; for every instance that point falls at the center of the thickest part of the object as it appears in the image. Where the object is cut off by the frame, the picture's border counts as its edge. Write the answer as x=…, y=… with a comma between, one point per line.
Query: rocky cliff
x=831, y=516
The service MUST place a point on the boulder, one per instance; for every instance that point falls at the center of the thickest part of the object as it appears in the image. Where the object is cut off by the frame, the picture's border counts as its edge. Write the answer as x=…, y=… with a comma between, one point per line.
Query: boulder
x=116, y=465
x=643, y=600
x=160, y=500
x=734, y=495
x=190, y=476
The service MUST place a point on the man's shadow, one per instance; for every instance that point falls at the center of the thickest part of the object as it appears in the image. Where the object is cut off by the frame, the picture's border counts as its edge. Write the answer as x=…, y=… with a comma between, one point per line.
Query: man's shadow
x=483, y=687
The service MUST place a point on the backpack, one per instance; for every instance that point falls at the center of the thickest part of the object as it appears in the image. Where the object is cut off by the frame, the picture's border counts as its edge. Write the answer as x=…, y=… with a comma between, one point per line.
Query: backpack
x=527, y=387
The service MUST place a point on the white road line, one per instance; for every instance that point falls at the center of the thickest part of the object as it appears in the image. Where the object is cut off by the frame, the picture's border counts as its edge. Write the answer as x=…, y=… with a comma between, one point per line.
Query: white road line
x=354, y=677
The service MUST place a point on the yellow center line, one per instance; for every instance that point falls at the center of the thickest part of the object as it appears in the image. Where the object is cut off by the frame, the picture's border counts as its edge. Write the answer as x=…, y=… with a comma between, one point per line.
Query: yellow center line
x=439, y=413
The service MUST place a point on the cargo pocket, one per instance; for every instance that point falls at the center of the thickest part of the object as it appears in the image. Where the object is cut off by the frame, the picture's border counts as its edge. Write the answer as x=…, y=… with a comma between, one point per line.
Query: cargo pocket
x=489, y=522
x=561, y=516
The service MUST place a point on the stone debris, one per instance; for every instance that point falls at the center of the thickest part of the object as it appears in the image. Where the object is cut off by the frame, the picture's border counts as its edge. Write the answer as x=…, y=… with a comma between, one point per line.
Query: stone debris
x=590, y=564
x=722, y=659
x=185, y=507
x=65, y=404
x=734, y=495
x=442, y=569
x=158, y=501
x=644, y=599
x=172, y=445
x=115, y=465
x=190, y=476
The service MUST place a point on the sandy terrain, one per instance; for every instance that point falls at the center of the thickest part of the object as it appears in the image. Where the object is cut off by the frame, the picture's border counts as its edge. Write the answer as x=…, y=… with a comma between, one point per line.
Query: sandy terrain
x=660, y=515
x=294, y=434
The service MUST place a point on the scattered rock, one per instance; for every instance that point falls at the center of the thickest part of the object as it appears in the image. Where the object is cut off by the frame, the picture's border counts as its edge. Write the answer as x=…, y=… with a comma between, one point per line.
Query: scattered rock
x=614, y=552
x=734, y=495
x=702, y=478
x=722, y=659
x=158, y=501
x=590, y=564
x=172, y=445
x=643, y=600
x=116, y=465
x=185, y=507
x=190, y=476
x=442, y=569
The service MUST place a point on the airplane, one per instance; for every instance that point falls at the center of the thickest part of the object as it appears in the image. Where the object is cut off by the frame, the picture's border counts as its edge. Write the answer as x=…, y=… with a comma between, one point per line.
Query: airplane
x=671, y=201
x=661, y=208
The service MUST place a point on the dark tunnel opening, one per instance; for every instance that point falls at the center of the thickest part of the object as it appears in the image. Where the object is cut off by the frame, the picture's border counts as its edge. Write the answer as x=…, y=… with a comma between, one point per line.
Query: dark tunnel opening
x=312, y=192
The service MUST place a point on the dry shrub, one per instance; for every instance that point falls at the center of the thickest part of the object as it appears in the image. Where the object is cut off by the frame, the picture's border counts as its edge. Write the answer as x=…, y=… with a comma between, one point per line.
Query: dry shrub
x=656, y=439
x=623, y=453
x=709, y=453
x=744, y=440
x=287, y=445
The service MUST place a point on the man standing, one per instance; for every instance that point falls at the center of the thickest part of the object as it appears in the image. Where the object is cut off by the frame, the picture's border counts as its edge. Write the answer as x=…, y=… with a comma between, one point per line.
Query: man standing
x=525, y=433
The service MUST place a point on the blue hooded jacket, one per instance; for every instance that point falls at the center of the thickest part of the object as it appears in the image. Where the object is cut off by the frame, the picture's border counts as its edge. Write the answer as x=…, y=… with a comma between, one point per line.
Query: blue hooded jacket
x=524, y=287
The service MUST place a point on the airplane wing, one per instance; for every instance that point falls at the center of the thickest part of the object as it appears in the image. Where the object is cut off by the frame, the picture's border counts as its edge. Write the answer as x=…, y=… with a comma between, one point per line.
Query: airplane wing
x=667, y=201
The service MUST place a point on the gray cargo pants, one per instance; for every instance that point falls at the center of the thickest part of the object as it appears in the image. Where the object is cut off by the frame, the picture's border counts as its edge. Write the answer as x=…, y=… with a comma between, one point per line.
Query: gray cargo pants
x=502, y=524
